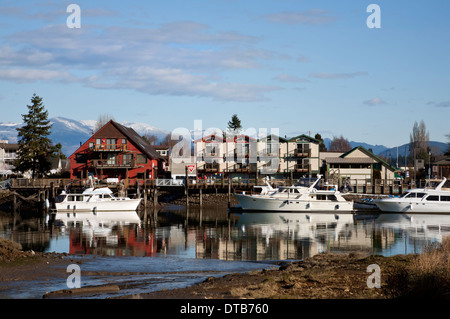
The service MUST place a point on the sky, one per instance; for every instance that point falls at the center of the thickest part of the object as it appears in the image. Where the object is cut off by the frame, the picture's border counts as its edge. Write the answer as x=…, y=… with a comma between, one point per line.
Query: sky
x=302, y=67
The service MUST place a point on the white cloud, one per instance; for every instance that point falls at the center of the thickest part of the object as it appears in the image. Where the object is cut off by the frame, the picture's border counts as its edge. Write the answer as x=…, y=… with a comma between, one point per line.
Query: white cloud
x=333, y=76
x=170, y=81
x=289, y=78
x=29, y=75
x=375, y=101
x=312, y=17
x=440, y=104
x=180, y=58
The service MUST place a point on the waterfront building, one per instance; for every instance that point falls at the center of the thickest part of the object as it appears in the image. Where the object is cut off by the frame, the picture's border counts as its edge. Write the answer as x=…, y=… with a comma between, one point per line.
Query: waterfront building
x=116, y=151
x=356, y=164
x=8, y=154
x=302, y=156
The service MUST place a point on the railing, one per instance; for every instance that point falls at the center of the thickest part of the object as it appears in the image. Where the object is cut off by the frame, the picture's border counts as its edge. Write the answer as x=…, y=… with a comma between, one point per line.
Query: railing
x=109, y=147
x=302, y=153
x=110, y=164
x=169, y=182
x=302, y=168
x=39, y=182
x=358, y=186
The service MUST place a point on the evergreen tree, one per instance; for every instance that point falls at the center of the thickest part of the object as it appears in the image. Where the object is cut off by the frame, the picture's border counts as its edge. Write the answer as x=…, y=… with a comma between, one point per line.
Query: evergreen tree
x=34, y=143
x=322, y=147
x=234, y=126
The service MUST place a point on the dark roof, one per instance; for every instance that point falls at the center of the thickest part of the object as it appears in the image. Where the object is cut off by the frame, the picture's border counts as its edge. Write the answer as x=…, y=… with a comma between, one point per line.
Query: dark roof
x=303, y=136
x=369, y=153
x=137, y=140
x=204, y=138
x=8, y=146
x=350, y=160
x=273, y=136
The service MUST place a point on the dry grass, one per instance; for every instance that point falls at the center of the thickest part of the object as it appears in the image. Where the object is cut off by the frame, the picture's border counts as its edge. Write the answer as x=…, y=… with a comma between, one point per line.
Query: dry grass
x=427, y=276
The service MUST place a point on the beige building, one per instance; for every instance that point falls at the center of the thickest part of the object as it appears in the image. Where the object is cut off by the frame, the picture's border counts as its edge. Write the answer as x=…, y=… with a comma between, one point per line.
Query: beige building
x=244, y=155
x=356, y=164
x=8, y=154
x=302, y=156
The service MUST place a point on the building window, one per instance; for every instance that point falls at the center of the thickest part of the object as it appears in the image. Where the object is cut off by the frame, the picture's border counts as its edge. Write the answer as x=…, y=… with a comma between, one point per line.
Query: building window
x=111, y=159
x=111, y=143
x=81, y=158
x=127, y=159
x=141, y=159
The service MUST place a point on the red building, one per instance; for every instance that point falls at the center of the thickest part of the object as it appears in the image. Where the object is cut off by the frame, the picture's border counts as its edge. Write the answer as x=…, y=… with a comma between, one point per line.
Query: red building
x=116, y=151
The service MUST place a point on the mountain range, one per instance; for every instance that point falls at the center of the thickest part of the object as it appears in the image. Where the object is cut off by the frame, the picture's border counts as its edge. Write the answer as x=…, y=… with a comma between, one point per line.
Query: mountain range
x=70, y=133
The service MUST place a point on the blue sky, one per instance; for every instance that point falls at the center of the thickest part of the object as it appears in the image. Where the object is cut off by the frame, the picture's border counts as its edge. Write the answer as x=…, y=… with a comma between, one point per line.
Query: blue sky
x=299, y=66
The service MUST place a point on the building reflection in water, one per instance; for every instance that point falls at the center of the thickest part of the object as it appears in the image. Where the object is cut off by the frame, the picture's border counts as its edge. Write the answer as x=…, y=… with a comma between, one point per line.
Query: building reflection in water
x=255, y=236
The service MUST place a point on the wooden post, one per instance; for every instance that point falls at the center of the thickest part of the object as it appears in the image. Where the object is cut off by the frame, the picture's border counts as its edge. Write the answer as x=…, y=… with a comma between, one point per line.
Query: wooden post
x=187, y=187
x=14, y=204
x=138, y=191
x=155, y=198
x=201, y=199
x=229, y=192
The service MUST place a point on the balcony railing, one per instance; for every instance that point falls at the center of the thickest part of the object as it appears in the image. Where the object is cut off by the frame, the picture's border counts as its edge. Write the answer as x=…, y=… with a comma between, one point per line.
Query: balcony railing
x=111, y=164
x=302, y=153
x=208, y=168
x=302, y=168
x=109, y=147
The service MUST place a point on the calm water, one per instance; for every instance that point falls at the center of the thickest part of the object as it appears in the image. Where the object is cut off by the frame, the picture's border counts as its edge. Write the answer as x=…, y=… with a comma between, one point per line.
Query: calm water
x=182, y=249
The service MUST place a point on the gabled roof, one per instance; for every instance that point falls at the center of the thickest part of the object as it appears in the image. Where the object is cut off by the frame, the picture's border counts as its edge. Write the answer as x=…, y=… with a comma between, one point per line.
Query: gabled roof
x=370, y=154
x=133, y=137
x=303, y=136
x=272, y=136
x=204, y=138
x=137, y=140
x=240, y=136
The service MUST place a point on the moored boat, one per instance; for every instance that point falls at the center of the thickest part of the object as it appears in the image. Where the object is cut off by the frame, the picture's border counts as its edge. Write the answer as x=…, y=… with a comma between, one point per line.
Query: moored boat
x=430, y=199
x=93, y=200
x=297, y=199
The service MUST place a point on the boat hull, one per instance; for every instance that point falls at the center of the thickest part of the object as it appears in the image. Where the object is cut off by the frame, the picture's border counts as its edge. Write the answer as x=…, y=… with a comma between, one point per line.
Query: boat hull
x=393, y=205
x=254, y=203
x=113, y=205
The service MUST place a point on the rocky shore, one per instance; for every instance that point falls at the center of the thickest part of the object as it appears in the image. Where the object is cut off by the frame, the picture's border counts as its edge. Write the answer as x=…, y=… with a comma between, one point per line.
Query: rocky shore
x=324, y=276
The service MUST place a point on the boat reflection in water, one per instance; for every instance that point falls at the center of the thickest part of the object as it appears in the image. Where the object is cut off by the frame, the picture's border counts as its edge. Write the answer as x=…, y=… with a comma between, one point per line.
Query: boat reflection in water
x=299, y=235
x=102, y=232
x=425, y=227
x=250, y=236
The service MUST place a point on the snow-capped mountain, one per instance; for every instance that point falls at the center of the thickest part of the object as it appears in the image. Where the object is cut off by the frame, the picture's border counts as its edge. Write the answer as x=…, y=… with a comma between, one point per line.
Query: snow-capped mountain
x=8, y=132
x=70, y=133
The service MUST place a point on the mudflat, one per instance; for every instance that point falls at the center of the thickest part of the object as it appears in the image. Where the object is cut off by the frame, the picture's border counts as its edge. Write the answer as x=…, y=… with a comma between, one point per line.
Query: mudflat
x=323, y=276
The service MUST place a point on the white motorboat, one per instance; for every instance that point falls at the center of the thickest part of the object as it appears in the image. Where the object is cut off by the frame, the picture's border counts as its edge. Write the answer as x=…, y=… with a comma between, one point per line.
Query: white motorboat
x=297, y=199
x=94, y=200
x=430, y=199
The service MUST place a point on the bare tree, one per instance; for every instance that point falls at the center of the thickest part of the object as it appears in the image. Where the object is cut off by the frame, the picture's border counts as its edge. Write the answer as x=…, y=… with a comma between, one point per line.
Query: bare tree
x=102, y=120
x=419, y=141
x=168, y=140
x=150, y=139
x=340, y=144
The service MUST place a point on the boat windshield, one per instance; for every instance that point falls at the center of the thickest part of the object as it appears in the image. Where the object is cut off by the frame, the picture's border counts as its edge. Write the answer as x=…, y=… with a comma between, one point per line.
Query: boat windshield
x=60, y=198
x=404, y=195
x=413, y=195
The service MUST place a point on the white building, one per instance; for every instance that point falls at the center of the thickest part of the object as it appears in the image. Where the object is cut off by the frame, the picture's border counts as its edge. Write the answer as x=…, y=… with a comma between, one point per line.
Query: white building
x=8, y=154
